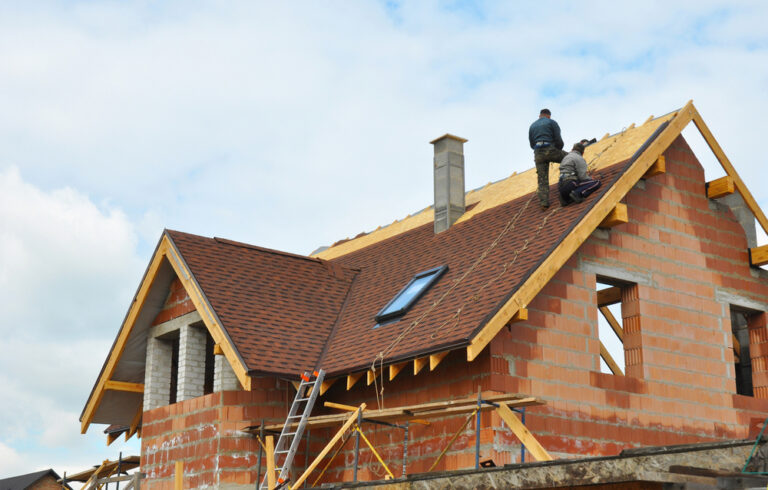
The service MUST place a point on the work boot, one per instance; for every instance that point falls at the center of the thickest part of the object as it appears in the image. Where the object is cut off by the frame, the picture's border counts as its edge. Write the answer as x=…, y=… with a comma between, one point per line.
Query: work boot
x=563, y=202
x=544, y=205
x=575, y=197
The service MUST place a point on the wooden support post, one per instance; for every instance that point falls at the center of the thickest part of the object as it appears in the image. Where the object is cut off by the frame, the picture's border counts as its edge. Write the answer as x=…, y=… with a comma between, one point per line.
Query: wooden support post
x=418, y=364
x=178, y=477
x=350, y=420
x=724, y=186
x=617, y=216
x=758, y=256
x=435, y=359
x=613, y=322
x=521, y=431
x=450, y=443
x=352, y=379
x=656, y=168
x=270, y=450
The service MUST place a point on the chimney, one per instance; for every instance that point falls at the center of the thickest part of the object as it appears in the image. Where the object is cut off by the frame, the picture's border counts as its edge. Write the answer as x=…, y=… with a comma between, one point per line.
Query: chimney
x=449, y=180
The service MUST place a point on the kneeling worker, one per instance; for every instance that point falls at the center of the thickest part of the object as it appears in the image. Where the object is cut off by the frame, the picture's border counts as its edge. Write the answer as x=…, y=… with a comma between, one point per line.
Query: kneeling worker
x=575, y=184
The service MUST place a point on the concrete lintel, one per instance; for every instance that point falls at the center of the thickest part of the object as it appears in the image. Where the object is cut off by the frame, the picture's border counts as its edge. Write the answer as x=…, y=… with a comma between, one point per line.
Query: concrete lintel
x=175, y=324
x=616, y=272
x=726, y=296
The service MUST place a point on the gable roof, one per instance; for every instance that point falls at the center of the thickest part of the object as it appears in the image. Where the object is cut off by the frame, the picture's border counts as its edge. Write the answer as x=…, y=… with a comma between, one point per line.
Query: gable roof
x=278, y=313
x=22, y=482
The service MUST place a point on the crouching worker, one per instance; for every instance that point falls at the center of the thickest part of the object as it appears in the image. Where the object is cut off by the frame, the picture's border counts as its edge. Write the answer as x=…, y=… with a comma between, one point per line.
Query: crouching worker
x=575, y=184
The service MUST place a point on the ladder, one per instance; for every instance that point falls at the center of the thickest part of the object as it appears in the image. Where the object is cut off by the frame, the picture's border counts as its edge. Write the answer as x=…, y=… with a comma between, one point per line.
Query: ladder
x=293, y=429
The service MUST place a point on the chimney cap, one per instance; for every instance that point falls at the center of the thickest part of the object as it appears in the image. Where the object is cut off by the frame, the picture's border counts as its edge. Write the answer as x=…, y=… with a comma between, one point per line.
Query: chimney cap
x=449, y=136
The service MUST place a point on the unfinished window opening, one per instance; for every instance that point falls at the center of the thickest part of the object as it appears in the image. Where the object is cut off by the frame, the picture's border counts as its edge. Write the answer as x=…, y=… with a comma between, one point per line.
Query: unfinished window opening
x=210, y=363
x=407, y=296
x=174, y=369
x=610, y=324
x=741, y=319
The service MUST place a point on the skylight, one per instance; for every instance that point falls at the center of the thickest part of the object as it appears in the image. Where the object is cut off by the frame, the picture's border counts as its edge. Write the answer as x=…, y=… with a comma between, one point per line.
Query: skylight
x=410, y=294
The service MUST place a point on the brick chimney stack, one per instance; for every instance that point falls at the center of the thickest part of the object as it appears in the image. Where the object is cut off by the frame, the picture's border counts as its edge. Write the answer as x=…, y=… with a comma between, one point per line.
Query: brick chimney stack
x=449, y=180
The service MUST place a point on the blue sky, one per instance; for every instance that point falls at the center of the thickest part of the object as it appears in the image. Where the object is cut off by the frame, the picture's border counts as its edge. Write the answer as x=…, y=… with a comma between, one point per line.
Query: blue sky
x=291, y=125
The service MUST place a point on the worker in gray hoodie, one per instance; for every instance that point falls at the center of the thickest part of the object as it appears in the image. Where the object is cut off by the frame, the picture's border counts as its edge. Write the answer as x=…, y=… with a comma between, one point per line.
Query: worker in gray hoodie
x=575, y=184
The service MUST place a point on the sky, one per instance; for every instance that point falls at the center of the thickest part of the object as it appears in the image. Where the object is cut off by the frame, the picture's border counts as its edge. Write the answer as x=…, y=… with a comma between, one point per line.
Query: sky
x=292, y=125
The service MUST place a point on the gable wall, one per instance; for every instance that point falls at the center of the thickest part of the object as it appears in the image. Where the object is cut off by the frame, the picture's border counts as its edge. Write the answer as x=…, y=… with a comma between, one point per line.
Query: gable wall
x=685, y=253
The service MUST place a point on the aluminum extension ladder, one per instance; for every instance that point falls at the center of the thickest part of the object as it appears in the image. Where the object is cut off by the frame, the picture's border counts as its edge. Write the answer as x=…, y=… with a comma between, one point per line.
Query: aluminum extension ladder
x=288, y=442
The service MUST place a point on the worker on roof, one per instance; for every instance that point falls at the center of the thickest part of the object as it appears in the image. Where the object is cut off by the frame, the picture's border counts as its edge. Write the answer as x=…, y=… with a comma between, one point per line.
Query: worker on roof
x=547, y=145
x=575, y=184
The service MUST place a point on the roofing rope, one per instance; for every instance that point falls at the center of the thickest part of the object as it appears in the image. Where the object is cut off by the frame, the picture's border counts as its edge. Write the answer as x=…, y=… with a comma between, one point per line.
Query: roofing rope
x=476, y=295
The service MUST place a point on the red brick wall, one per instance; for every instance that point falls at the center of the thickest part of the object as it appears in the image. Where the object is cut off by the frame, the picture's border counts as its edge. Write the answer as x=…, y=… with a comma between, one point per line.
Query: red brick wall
x=680, y=383
x=176, y=304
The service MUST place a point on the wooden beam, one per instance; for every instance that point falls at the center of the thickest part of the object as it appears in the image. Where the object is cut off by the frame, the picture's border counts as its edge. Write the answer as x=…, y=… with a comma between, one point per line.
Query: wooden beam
x=615, y=325
x=758, y=256
x=394, y=369
x=124, y=386
x=658, y=167
x=209, y=317
x=720, y=187
x=340, y=406
x=583, y=229
x=736, y=348
x=270, y=450
x=520, y=315
x=295, y=384
x=134, y=427
x=617, y=216
x=726, y=164
x=521, y=431
x=352, y=379
x=327, y=383
x=650, y=118
x=609, y=296
x=178, y=476
x=370, y=376
x=350, y=420
x=418, y=364
x=615, y=369
x=217, y=350
x=111, y=437
x=435, y=359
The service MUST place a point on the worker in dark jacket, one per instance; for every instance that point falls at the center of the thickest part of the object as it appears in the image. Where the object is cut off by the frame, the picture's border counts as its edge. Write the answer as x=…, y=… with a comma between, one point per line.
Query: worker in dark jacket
x=547, y=145
x=575, y=184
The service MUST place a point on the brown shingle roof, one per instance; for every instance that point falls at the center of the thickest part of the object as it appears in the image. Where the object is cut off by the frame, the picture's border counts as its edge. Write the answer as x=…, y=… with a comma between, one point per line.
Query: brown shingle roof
x=277, y=308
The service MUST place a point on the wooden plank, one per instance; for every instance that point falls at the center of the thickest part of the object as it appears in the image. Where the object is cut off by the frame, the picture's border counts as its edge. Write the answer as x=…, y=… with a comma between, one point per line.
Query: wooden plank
x=351, y=419
x=658, y=167
x=608, y=358
x=617, y=216
x=134, y=427
x=419, y=413
x=217, y=350
x=650, y=118
x=394, y=369
x=269, y=444
x=521, y=431
x=736, y=348
x=520, y=315
x=435, y=359
x=560, y=255
x=340, y=406
x=178, y=476
x=726, y=164
x=352, y=379
x=209, y=318
x=124, y=386
x=327, y=383
x=609, y=296
x=418, y=364
x=758, y=256
x=720, y=187
x=613, y=322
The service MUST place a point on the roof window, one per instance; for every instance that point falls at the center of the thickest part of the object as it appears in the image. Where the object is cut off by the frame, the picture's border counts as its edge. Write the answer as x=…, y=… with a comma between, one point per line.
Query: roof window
x=407, y=296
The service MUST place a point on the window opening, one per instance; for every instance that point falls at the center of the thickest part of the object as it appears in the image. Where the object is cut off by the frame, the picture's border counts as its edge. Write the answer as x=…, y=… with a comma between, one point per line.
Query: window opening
x=407, y=296
x=174, y=370
x=609, y=327
x=741, y=354
x=210, y=361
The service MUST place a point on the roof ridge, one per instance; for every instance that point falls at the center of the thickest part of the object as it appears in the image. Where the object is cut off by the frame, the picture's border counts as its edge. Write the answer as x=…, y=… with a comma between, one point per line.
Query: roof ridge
x=235, y=243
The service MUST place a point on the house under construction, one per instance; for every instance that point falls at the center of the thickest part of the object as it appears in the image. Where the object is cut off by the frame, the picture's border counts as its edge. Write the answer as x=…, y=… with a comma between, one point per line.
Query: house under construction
x=474, y=331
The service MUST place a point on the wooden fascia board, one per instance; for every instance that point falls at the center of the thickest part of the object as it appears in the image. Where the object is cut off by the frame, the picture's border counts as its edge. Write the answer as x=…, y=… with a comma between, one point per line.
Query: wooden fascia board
x=728, y=167
x=122, y=337
x=210, y=319
x=560, y=255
